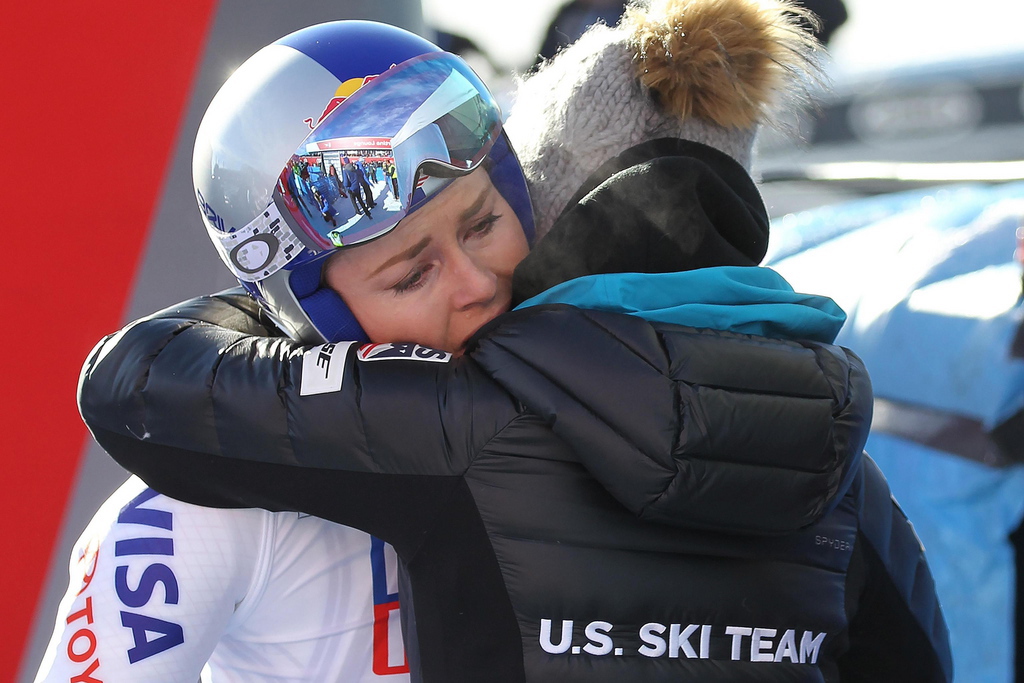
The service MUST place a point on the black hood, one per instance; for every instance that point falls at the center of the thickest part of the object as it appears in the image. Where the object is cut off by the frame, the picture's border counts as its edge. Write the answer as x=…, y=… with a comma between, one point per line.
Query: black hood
x=699, y=429
x=664, y=206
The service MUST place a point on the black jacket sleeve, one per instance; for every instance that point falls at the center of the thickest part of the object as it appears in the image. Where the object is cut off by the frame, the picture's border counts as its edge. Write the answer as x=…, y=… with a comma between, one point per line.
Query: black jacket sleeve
x=206, y=407
x=896, y=624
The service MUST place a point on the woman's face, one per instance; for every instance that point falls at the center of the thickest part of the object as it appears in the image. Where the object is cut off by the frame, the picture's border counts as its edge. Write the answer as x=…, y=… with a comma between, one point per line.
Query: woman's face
x=441, y=274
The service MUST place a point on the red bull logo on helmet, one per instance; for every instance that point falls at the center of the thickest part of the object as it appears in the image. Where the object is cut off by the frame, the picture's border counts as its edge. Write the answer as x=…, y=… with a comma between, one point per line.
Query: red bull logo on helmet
x=344, y=91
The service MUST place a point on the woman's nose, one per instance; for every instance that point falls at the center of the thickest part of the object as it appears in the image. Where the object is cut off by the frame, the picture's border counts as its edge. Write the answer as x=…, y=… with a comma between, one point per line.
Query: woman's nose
x=475, y=282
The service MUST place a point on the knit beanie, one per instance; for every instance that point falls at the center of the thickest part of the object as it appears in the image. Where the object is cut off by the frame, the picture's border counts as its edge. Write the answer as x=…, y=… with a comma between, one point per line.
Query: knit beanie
x=706, y=71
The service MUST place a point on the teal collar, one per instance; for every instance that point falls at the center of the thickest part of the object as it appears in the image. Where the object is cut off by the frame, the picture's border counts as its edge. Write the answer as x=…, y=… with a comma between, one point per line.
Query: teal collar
x=749, y=300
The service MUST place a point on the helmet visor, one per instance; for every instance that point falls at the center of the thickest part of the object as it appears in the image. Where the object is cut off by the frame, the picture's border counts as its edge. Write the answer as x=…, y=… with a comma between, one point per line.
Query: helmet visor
x=371, y=161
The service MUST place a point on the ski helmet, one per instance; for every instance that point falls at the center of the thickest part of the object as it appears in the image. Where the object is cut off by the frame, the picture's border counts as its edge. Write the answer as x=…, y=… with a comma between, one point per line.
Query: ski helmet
x=324, y=113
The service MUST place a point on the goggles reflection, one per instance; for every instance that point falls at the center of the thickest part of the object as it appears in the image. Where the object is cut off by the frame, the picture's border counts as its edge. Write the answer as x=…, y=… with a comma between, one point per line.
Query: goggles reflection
x=380, y=153
x=372, y=160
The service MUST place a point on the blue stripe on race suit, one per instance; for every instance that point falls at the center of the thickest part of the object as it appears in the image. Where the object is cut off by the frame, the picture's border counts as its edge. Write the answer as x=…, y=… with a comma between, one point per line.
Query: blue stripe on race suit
x=378, y=563
x=388, y=646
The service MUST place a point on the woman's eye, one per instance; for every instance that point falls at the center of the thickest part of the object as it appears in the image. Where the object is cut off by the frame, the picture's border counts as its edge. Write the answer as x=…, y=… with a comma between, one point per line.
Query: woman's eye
x=484, y=225
x=412, y=281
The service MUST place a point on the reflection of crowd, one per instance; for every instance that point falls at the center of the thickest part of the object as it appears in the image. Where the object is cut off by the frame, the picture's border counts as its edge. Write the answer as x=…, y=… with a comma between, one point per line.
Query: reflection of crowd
x=311, y=185
x=315, y=186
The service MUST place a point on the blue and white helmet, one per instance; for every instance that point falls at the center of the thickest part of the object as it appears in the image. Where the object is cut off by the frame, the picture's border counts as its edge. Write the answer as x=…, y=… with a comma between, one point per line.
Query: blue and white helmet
x=286, y=132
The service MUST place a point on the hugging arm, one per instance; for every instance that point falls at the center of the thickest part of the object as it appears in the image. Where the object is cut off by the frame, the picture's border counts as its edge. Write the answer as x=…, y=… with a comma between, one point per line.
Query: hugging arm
x=206, y=406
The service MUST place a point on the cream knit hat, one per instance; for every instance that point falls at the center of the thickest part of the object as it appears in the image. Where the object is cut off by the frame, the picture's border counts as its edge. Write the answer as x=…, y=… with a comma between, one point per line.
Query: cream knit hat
x=708, y=71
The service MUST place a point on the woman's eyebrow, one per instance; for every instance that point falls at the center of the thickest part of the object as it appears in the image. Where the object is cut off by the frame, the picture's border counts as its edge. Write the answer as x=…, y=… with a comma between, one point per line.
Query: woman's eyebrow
x=409, y=253
x=477, y=205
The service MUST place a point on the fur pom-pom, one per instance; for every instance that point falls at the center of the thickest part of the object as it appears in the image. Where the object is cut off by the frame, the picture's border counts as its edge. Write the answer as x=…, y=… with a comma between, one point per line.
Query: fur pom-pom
x=725, y=61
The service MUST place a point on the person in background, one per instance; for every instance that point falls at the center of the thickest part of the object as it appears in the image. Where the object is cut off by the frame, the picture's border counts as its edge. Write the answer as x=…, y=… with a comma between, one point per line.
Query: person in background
x=365, y=173
x=573, y=18
x=335, y=181
x=351, y=175
x=326, y=210
x=830, y=15
x=392, y=174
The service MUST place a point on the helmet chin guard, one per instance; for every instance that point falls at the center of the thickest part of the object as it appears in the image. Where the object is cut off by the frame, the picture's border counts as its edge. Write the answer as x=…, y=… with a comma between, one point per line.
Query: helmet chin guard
x=326, y=139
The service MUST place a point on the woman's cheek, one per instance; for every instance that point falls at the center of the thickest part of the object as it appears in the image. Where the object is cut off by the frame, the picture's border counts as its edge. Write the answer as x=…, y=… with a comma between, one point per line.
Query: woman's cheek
x=515, y=250
x=418, y=318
